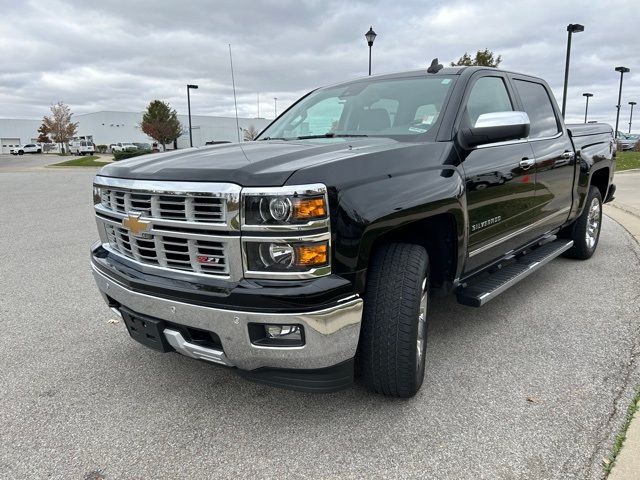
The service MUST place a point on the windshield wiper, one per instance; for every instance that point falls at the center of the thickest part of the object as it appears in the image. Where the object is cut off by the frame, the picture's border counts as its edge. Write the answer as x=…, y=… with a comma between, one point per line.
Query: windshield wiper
x=329, y=135
x=274, y=138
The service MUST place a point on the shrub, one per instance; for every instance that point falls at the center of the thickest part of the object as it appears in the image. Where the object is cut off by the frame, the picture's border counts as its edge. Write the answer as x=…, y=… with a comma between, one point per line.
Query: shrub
x=637, y=147
x=101, y=148
x=128, y=154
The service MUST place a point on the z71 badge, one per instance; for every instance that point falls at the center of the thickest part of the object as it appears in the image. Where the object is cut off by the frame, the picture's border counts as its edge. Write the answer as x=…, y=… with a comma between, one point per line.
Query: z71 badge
x=485, y=223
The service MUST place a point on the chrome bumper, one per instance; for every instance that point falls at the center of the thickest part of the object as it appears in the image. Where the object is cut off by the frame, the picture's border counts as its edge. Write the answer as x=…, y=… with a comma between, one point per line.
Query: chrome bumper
x=331, y=335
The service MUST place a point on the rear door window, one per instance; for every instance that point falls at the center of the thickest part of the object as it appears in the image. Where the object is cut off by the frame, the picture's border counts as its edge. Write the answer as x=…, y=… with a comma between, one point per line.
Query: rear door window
x=537, y=104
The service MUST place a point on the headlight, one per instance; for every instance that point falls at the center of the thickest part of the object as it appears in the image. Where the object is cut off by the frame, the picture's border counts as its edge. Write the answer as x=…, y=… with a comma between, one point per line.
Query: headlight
x=287, y=257
x=294, y=208
x=284, y=215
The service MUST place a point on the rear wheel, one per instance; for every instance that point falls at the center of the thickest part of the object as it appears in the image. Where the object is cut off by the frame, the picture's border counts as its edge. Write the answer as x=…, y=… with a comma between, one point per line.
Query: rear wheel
x=585, y=231
x=20, y=152
x=391, y=356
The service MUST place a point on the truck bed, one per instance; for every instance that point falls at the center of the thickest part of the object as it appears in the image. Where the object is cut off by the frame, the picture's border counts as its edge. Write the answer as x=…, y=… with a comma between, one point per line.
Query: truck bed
x=586, y=135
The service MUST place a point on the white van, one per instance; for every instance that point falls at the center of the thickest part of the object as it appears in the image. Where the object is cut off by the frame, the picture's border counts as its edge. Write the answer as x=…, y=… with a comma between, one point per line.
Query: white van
x=81, y=147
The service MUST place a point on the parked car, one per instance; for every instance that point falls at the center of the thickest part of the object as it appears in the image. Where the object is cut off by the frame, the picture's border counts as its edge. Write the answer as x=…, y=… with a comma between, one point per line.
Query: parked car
x=122, y=146
x=318, y=247
x=27, y=148
x=81, y=147
x=626, y=141
x=143, y=146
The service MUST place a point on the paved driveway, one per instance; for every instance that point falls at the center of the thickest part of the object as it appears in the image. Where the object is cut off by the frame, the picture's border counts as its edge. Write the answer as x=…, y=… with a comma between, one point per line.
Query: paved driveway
x=28, y=160
x=534, y=385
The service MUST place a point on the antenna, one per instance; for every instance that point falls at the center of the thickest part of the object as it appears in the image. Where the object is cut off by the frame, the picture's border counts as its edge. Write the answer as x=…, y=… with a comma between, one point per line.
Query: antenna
x=235, y=102
x=435, y=67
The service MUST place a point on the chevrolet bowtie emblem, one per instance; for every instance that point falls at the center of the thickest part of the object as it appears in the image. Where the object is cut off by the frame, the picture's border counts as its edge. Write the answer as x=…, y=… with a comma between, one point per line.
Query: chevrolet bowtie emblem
x=135, y=225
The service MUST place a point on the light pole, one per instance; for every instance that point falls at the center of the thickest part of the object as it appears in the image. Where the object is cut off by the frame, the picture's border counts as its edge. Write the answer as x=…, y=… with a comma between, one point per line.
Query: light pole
x=622, y=71
x=631, y=115
x=189, y=87
x=571, y=29
x=275, y=107
x=370, y=36
x=586, y=108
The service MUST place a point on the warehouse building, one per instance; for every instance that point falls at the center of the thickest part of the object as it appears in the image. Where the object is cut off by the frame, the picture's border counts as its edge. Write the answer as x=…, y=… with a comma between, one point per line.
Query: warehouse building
x=105, y=128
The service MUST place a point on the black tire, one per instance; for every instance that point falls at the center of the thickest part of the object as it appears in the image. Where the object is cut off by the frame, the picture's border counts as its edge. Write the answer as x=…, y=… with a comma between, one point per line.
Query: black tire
x=388, y=361
x=590, y=219
x=39, y=151
x=20, y=152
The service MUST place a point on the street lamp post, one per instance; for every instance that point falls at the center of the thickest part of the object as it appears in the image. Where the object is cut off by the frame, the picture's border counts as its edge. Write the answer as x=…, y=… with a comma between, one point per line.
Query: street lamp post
x=275, y=107
x=189, y=87
x=370, y=36
x=586, y=108
x=631, y=114
x=571, y=29
x=622, y=71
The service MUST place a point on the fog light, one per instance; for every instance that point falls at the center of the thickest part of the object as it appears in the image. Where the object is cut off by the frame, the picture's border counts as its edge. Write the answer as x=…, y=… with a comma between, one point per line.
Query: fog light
x=291, y=332
x=276, y=335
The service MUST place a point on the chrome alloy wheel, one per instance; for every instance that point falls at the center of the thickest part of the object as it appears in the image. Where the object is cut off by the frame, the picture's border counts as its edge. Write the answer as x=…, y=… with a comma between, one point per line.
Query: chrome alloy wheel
x=422, y=327
x=593, y=223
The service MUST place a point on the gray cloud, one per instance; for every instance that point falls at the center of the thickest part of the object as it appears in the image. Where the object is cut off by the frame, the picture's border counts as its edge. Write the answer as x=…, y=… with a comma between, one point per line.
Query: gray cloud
x=119, y=55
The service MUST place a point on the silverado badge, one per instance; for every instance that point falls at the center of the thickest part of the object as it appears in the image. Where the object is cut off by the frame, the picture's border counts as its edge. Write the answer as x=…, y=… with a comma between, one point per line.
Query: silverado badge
x=135, y=225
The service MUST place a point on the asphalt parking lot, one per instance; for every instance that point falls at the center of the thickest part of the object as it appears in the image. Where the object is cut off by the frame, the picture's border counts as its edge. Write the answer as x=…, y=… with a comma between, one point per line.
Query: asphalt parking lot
x=534, y=385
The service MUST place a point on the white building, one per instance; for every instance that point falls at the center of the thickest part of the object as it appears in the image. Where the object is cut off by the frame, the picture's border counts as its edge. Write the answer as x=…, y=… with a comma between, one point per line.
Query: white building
x=112, y=127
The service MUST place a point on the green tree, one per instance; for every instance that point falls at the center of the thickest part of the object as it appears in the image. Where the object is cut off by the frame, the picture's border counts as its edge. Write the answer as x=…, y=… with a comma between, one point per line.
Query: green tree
x=483, y=58
x=161, y=123
x=59, y=124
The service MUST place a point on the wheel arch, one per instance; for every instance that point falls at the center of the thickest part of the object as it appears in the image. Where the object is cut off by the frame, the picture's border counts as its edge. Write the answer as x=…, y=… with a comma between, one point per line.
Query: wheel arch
x=600, y=180
x=439, y=234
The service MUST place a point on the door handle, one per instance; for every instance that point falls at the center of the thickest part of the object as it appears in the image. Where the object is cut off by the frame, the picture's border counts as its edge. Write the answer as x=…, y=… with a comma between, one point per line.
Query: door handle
x=527, y=163
x=567, y=155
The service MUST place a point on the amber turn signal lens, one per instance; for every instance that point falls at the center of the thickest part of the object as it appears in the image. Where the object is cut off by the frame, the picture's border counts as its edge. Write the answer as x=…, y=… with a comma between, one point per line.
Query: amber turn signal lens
x=312, y=255
x=309, y=208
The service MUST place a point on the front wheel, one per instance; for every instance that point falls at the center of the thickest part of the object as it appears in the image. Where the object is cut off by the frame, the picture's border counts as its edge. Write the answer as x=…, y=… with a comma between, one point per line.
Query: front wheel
x=20, y=152
x=585, y=231
x=391, y=355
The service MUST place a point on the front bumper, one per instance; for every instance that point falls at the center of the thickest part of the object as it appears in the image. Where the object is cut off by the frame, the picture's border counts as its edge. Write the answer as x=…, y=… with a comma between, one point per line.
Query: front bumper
x=331, y=334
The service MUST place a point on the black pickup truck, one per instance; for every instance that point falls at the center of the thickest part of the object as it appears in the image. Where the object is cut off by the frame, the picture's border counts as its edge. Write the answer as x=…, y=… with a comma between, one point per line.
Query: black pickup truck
x=309, y=257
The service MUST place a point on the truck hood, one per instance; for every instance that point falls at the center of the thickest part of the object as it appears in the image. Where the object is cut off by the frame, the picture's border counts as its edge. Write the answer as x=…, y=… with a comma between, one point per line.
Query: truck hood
x=261, y=163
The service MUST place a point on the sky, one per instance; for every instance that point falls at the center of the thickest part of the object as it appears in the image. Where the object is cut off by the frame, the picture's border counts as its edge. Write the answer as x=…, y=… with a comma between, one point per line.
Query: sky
x=119, y=55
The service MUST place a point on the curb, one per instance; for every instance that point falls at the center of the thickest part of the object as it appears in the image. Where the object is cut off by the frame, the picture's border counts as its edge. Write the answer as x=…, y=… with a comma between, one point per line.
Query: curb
x=626, y=465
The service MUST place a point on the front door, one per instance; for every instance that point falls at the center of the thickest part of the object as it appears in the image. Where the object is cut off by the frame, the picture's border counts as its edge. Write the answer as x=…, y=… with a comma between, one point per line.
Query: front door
x=500, y=179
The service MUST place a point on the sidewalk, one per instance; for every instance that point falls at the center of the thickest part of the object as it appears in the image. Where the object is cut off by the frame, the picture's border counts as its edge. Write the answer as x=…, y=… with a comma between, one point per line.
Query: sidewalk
x=625, y=209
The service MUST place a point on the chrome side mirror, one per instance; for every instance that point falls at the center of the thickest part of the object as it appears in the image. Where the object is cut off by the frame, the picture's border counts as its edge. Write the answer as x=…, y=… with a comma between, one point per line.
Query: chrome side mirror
x=495, y=127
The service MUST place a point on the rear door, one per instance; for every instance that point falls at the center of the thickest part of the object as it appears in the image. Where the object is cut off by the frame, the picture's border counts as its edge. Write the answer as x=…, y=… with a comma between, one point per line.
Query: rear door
x=553, y=152
x=500, y=185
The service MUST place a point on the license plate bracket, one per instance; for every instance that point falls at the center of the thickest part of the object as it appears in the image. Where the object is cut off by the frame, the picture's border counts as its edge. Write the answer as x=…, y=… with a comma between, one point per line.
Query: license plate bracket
x=146, y=330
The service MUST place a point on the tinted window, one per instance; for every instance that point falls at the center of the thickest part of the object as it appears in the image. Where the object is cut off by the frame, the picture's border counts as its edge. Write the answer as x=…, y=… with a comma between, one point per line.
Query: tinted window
x=380, y=107
x=320, y=118
x=488, y=95
x=537, y=104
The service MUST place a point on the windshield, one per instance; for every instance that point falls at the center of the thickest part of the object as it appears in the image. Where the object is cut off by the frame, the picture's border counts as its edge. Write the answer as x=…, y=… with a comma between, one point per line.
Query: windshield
x=384, y=108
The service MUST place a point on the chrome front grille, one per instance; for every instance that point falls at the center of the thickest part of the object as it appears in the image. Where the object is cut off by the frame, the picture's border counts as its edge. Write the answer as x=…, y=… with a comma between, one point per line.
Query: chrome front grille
x=199, y=256
x=188, y=226
x=193, y=207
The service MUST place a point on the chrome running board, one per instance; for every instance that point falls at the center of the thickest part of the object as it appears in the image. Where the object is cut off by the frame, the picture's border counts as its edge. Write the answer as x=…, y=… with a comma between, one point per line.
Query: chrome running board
x=477, y=293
